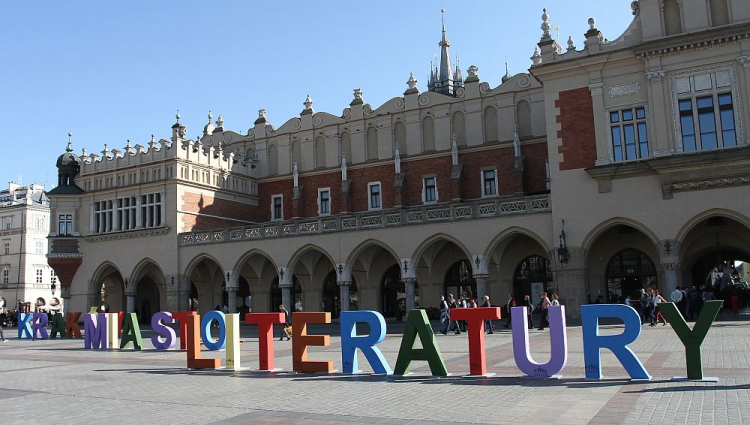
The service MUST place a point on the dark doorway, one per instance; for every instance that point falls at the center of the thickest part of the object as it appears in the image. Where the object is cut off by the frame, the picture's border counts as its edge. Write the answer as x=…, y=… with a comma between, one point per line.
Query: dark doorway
x=459, y=281
x=627, y=272
x=532, y=277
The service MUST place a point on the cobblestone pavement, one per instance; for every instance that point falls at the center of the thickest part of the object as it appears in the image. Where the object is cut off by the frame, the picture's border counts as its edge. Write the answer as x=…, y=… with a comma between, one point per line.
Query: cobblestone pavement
x=57, y=381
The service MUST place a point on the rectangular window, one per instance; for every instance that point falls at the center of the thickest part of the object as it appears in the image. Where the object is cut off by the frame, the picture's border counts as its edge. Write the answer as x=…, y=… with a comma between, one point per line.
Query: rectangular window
x=151, y=210
x=103, y=216
x=6, y=248
x=629, y=134
x=126, y=213
x=38, y=248
x=726, y=112
x=277, y=207
x=489, y=182
x=374, y=199
x=39, y=276
x=707, y=123
x=429, y=190
x=687, y=125
x=324, y=201
x=52, y=277
x=6, y=275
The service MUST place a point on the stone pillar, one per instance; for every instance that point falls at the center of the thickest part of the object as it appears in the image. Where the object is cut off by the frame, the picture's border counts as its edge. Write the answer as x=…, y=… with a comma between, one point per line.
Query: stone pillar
x=285, y=284
x=64, y=294
x=482, y=287
x=670, y=278
x=344, y=290
x=571, y=283
x=130, y=302
x=603, y=155
x=660, y=108
x=232, y=299
x=410, y=296
x=231, y=288
x=344, y=280
x=745, y=62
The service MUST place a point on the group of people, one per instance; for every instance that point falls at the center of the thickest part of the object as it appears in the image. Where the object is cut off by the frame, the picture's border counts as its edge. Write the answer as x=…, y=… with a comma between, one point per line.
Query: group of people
x=458, y=326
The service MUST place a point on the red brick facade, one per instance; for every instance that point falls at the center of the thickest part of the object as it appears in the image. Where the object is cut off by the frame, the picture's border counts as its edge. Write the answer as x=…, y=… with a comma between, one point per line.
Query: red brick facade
x=578, y=140
x=215, y=212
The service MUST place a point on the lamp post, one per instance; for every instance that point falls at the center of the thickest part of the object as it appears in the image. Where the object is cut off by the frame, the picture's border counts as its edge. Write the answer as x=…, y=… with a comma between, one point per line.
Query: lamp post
x=563, y=254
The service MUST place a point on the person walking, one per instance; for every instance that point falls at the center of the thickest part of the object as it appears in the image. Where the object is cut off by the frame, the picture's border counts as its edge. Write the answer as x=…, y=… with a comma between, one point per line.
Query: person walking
x=529, y=311
x=453, y=323
x=508, y=306
x=285, y=325
x=487, y=323
x=555, y=299
x=645, y=306
x=656, y=314
x=2, y=335
x=462, y=304
x=444, y=315
x=544, y=304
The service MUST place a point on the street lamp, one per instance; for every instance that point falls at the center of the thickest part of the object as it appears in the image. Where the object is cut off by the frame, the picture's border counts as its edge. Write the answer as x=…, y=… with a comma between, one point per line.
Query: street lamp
x=53, y=287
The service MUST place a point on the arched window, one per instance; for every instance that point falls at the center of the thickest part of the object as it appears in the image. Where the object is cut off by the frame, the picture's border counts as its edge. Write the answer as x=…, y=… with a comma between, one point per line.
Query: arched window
x=523, y=118
x=532, y=277
x=296, y=154
x=490, y=124
x=399, y=137
x=459, y=128
x=627, y=272
x=346, y=146
x=459, y=281
x=273, y=160
x=320, y=152
x=428, y=134
x=276, y=298
x=332, y=292
x=372, y=143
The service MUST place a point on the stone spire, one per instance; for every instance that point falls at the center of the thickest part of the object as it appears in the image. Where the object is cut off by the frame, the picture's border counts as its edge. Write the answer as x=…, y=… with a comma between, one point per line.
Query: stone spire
x=308, y=106
x=443, y=76
x=507, y=75
x=179, y=131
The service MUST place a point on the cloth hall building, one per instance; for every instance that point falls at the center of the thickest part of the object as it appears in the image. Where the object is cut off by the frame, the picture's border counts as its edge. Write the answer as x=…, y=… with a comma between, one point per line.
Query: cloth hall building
x=613, y=164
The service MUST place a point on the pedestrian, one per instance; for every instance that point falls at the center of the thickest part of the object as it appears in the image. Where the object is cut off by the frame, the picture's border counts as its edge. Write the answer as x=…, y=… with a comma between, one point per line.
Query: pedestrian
x=656, y=314
x=285, y=325
x=462, y=304
x=544, y=304
x=555, y=299
x=645, y=305
x=529, y=311
x=2, y=335
x=473, y=303
x=444, y=315
x=454, y=326
x=508, y=306
x=735, y=298
x=488, y=328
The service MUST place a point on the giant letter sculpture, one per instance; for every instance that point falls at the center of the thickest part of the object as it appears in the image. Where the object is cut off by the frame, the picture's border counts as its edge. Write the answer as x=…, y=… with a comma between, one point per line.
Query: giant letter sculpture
x=206, y=322
x=25, y=329
x=350, y=341
x=301, y=340
x=418, y=324
x=692, y=340
x=40, y=325
x=95, y=328
x=618, y=344
x=265, y=322
x=194, y=347
x=165, y=338
x=558, y=340
x=476, y=318
x=131, y=332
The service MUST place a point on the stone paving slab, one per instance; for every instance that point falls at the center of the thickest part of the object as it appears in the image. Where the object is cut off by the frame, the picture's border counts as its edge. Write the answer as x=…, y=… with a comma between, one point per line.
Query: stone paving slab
x=60, y=378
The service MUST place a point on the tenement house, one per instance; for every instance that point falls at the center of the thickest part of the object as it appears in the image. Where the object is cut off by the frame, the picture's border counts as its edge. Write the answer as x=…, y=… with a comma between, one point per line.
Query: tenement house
x=613, y=164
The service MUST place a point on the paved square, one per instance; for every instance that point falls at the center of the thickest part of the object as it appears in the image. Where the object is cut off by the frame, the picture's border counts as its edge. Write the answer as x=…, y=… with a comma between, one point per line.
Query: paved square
x=58, y=381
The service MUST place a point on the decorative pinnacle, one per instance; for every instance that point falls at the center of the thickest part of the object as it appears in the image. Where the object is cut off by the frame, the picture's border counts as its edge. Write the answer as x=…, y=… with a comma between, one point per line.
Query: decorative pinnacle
x=308, y=102
x=592, y=23
x=210, y=116
x=546, y=25
x=69, y=148
x=177, y=115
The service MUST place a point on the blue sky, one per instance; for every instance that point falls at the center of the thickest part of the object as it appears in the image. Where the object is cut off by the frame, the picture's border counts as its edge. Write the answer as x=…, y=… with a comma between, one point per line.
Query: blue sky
x=111, y=71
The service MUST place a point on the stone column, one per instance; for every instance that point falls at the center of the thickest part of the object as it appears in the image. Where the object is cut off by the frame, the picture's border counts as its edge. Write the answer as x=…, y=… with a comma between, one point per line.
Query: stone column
x=670, y=278
x=232, y=299
x=130, y=302
x=410, y=296
x=660, y=107
x=745, y=61
x=571, y=283
x=344, y=290
x=344, y=280
x=231, y=288
x=285, y=284
x=482, y=287
x=603, y=155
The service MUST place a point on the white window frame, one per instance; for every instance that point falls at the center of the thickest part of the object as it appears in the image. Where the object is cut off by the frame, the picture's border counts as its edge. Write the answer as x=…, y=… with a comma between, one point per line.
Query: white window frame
x=320, y=200
x=370, y=185
x=273, y=203
x=424, y=189
x=65, y=218
x=52, y=276
x=714, y=92
x=6, y=275
x=39, y=275
x=38, y=247
x=497, y=192
x=6, y=247
x=620, y=124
